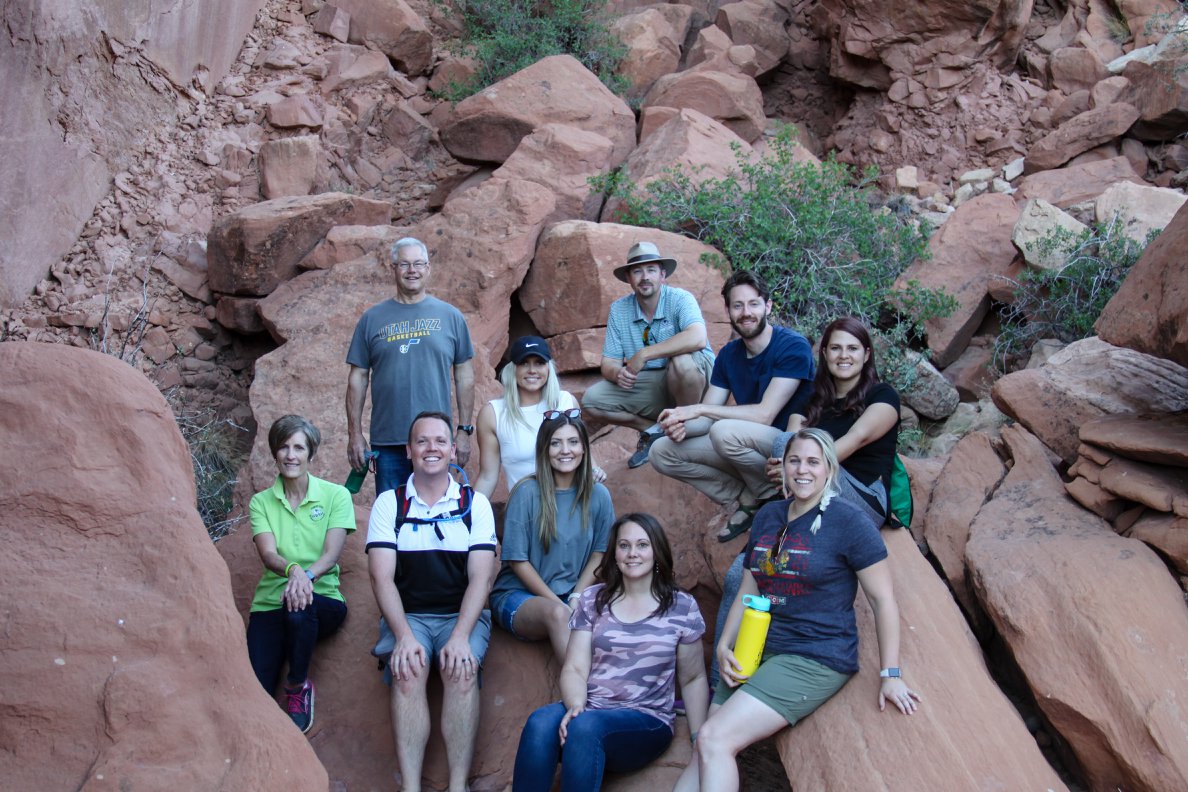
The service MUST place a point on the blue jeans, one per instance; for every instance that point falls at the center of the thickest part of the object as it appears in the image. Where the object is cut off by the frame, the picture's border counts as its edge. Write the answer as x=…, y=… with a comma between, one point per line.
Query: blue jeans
x=619, y=740
x=275, y=636
x=392, y=467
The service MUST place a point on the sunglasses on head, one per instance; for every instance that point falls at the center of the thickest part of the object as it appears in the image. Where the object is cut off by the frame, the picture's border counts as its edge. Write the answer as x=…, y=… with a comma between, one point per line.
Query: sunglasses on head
x=573, y=412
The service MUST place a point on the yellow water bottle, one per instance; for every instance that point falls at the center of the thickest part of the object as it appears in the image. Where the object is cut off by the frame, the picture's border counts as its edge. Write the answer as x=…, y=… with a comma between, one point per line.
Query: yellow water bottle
x=752, y=633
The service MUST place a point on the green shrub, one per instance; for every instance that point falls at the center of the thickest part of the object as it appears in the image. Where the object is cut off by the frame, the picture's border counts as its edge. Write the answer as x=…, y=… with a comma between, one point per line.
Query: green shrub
x=505, y=36
x=818, y=235
x=1064, y=303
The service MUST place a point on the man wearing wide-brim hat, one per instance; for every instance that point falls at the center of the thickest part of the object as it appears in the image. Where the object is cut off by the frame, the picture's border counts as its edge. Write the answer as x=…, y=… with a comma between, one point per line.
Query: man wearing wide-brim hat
x=656, y=354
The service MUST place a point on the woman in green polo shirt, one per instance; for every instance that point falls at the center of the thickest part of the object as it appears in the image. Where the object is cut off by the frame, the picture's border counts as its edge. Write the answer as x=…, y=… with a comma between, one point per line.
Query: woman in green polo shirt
x=299, y=525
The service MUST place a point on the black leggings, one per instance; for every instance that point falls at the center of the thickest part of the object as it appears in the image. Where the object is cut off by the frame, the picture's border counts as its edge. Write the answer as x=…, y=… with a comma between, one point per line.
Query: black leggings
x=278, y=635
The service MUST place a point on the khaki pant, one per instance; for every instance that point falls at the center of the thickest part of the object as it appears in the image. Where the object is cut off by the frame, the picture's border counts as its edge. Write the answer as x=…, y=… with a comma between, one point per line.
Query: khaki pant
x=722, y=463
x=650, y=395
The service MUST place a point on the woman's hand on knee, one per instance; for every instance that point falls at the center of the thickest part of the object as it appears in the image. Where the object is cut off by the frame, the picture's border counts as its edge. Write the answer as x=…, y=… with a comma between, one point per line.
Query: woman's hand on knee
x=570, y=714
x=298, y=593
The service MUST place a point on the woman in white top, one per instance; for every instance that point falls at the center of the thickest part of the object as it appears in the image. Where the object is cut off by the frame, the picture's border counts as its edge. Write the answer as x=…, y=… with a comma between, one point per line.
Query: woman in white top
x=507, y=426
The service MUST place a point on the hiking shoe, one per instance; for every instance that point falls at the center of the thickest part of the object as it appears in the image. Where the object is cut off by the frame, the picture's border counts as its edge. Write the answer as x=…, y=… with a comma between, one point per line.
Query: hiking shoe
x=640, y=457
x=299, y=703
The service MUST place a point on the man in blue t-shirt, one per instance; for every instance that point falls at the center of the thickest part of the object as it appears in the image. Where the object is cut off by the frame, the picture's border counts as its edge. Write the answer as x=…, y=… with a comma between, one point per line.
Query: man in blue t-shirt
x=409, y=348
x=722, y=449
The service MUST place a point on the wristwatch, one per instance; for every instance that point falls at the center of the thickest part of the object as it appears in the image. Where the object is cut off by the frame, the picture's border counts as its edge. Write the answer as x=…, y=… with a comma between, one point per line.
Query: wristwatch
x=468, y=428
x=890, y=673
x=312, y=576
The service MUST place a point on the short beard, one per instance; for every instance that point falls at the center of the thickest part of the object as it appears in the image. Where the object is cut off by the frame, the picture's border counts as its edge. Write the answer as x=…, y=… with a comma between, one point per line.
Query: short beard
x=759, y=328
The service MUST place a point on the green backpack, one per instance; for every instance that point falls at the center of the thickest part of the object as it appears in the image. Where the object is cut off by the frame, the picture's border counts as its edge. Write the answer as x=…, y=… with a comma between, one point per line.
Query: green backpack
x=899, y=495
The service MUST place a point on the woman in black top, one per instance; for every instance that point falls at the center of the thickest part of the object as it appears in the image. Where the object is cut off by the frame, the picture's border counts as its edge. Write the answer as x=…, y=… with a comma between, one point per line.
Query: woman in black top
x=859, y=412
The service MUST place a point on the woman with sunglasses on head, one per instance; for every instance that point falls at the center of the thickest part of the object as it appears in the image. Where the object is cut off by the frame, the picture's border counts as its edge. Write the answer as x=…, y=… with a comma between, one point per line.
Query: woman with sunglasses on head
x=555, y=533
x=635, y=634
x=507, y=426
x=807, y=555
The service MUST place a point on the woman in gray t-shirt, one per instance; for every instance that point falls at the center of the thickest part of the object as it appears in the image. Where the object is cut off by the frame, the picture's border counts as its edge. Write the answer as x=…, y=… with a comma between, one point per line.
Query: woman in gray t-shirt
x=554, y=535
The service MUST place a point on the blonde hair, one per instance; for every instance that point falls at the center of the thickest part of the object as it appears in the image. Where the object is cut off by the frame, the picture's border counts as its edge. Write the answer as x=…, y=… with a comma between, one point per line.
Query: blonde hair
x=512, y=411
x=828, y=451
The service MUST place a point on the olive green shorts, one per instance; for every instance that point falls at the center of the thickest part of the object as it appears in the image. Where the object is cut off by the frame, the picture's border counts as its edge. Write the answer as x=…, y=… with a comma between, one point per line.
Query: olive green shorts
x=792, y=685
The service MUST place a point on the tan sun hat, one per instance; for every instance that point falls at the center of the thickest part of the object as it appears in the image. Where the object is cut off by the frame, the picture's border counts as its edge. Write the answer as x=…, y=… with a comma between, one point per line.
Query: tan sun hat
x=644, y=253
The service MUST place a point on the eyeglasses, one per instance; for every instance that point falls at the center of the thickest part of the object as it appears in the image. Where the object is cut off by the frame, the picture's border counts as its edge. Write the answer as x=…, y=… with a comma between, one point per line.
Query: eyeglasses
x=419, y=266
x=647, y=334
x=574, y=412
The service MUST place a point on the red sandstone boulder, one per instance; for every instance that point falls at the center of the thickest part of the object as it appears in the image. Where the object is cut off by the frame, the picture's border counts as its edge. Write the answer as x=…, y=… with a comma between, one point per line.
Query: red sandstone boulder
x=577, y=350
x=1156, y=291
x=487, y=126
x=653, y=37
x=571, y=284
x=1077, y=183
x=1075, y=69
x=300, y=110
x=239, y=314
x=1081, y=609
x=393, y=28
x=731, y=98
x=1080, y=134
x=347, y=242
x=924, y=473
x=713, y=50
x=408, y=130
x=289, y=166
x=970, y=249
x=972, y=374
x=944, y=663
x=690, y=140
x=1160, y=439
x=125, y=665
x=1086, y=380
x=563, y=159
x=1038, y=222
x=875, y=43
x=1138, y=210
x=970, y=475
x=255, y=249
x=349, y=66
x=332, y=21
x=759, y=23
x=1158, y=487
x=1166, y=534
x=1159, y=92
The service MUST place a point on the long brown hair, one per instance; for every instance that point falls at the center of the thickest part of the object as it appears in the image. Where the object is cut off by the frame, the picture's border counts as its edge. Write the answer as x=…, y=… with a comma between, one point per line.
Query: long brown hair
x=583, y=477
x=664, y=587
x=824, y=389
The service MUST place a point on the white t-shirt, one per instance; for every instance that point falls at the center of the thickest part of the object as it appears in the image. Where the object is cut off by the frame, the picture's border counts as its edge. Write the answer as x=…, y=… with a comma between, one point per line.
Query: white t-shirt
x=517, y=443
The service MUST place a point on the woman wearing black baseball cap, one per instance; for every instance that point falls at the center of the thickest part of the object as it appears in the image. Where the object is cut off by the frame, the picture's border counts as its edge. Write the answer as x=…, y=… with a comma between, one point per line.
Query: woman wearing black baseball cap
x=507, y=426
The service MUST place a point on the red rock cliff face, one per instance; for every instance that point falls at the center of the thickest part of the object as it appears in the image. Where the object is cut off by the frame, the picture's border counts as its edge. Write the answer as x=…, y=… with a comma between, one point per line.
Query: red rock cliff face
x=123, y=657
x=83, y=85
